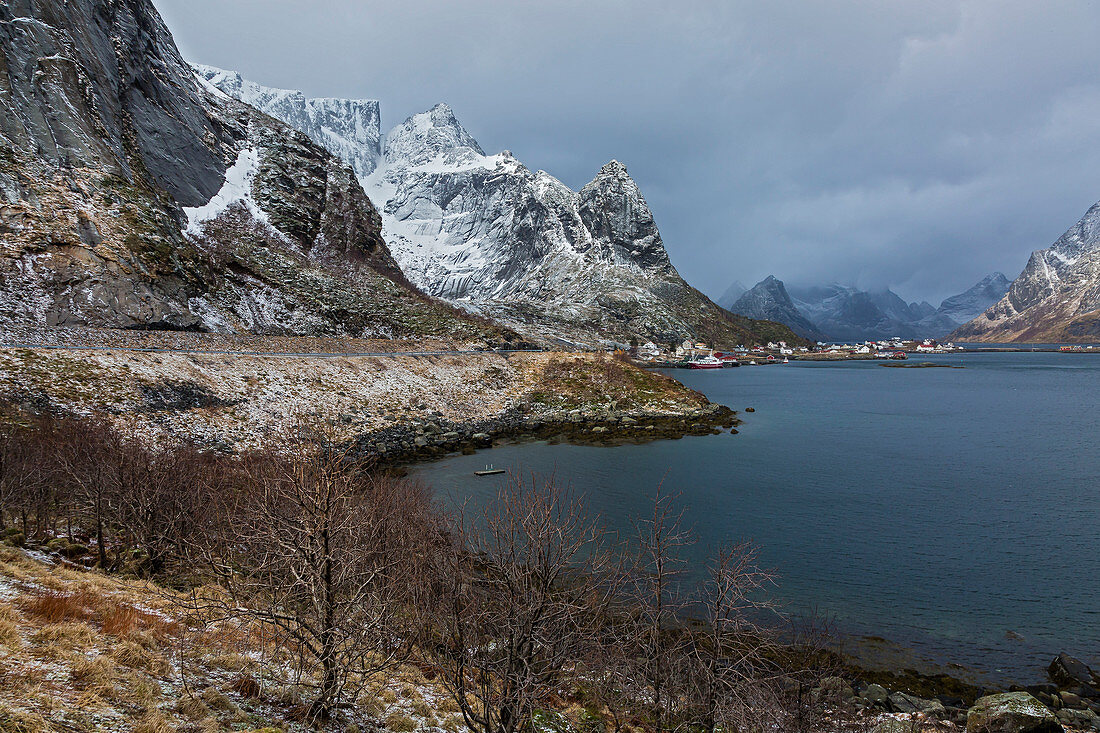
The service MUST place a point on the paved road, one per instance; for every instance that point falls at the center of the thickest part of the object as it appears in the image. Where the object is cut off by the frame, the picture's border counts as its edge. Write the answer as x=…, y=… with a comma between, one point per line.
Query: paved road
x=283, y=354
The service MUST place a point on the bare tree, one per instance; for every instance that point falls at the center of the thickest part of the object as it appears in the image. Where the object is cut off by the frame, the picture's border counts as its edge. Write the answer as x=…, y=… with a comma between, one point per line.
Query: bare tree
x=527, y=586
x=28, y=472
x=661, y=646
x=327, y=555
x=732, y=657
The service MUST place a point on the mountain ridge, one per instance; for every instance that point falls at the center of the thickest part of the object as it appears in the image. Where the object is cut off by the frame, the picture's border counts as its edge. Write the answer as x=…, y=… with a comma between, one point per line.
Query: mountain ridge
x=843, y=313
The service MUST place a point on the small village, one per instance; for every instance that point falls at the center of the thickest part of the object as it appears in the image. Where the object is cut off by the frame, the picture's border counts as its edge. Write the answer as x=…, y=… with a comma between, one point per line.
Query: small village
x=698, y=355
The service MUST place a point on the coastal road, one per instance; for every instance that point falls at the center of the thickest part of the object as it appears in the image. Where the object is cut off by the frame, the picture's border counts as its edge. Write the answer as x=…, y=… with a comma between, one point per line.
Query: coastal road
x=277, y=354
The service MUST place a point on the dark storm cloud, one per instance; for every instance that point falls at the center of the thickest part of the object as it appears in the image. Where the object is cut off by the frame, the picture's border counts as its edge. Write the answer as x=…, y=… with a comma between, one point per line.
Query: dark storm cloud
x=918, y=145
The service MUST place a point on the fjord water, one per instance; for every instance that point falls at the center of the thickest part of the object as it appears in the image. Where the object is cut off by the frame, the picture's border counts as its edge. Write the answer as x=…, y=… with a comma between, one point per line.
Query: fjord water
x=953, y=511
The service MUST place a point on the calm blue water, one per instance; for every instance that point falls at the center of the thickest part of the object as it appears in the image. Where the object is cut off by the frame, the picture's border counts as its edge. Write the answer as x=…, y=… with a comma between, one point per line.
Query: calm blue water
x=956, y=511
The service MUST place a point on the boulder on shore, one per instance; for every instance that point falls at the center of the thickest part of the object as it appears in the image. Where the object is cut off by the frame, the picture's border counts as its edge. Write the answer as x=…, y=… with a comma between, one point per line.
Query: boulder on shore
x=1011, y=712
x=897, y=725
x=901, y=702
x=1066, y=671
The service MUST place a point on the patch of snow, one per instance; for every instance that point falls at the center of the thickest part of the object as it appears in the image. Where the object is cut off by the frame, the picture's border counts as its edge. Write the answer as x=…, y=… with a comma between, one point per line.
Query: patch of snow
x=237, y=188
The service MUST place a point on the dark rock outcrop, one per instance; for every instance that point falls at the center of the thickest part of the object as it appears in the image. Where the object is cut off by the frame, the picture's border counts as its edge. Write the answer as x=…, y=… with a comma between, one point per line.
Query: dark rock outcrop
x=1068, y=672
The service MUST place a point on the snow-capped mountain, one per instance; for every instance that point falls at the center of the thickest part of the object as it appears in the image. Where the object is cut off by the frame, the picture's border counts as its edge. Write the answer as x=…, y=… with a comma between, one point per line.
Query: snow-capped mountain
x=347, y=128
x=843, y=313
x=1055, y=299
x=977, y=299
x=494, y=237
x=768, y=300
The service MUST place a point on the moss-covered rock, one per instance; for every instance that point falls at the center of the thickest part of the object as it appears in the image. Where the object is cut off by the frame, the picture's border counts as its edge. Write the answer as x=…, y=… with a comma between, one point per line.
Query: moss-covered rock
x=1011, y=712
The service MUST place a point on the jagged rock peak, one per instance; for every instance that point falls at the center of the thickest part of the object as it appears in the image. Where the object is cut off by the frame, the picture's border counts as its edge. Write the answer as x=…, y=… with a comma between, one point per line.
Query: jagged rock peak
x=348, y=128
x=613, y=209
x=1082, y=237
x=435, y=135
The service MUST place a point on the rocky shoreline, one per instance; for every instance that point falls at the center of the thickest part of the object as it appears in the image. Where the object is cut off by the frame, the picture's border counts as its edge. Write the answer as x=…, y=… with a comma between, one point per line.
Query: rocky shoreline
x=907, y=701
x=432, y=436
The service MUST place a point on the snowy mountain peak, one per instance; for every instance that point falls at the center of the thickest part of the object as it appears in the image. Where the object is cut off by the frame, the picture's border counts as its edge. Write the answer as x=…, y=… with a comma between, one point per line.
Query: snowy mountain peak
x=432, y=136
x=348, y=128
x=1057, y=296
x=1083, y=237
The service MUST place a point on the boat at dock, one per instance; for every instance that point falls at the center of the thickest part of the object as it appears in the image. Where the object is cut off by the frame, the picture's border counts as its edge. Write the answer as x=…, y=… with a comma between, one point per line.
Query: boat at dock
x=706, y=362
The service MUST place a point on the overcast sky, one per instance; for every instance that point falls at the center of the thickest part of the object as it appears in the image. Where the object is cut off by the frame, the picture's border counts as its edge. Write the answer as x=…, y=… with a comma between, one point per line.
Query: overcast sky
x=916, y=145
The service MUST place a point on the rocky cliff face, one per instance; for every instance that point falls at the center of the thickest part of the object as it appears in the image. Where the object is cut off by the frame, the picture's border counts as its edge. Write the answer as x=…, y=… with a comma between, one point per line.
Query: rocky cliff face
x=136, y=197
x=768, y=300
x=490, y=235
x=1055, y=299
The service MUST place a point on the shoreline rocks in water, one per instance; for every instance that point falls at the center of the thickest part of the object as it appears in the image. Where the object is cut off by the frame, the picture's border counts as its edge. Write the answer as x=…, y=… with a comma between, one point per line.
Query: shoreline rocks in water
x=432, y=436
x=1051, y=707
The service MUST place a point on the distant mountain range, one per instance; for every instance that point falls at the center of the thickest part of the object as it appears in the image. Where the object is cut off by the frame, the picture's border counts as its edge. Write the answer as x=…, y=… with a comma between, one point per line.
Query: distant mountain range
x=1055, y=299
x=842, y=313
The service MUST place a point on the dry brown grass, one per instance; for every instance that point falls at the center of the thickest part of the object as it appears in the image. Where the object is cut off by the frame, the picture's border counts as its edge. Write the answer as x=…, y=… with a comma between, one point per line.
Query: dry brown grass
x=122, y=619
x=96, y=675
x=154, y=721
x=401, y=723
x=18, y=721
x=54, y=641
x=192, y=707
x=133, y=655
x=55, y=606
x=246, y=686
x=9, y=626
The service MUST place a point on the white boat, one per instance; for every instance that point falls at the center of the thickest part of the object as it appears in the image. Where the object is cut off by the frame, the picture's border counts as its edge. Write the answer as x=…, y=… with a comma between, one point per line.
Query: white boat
x=706, y=362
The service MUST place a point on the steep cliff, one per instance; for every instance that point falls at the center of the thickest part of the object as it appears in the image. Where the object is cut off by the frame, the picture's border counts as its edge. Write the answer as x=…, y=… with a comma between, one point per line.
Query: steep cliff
x=136, y=197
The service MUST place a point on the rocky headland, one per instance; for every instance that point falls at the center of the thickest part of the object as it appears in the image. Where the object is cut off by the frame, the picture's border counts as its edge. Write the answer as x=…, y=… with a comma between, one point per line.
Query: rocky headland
x=396, y=400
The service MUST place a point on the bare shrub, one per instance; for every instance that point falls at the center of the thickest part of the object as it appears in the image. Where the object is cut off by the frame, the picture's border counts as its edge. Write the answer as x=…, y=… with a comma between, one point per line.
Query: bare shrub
x=524, y=590
x=732, y=671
